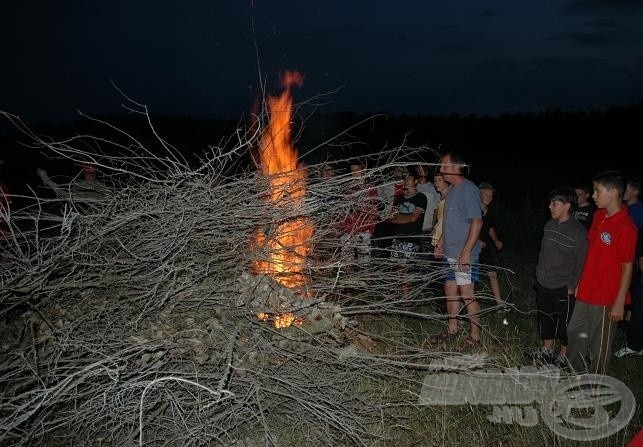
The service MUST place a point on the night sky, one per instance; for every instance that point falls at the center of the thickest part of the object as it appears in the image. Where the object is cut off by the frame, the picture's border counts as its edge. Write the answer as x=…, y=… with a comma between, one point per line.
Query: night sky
x=208, y=58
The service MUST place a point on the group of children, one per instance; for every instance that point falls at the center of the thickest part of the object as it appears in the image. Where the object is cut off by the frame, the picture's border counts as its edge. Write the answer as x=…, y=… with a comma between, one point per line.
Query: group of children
x=584, y=275
x=585, y=268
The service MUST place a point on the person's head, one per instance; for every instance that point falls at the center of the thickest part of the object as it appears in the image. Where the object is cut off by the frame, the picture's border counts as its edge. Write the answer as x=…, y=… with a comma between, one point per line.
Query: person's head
x=632, y=190
x=400, y=172
x=440, y=184
x=327, y=171
x=583, y=193
x=89, y=171
x=562, y=202
x=609, y=187
x=422, y=172
x=487, y=192
x=410, y=183
x=356, y=168
x=453, y=167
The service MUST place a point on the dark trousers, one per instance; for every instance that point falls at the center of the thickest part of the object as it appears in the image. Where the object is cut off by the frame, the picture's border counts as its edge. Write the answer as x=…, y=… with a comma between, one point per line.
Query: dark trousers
x=555, y=309
x=635, y=326
x=382, y=239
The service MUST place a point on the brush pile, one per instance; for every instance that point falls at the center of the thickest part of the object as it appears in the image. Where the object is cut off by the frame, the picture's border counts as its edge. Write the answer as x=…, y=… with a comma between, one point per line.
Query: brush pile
x=142, y=318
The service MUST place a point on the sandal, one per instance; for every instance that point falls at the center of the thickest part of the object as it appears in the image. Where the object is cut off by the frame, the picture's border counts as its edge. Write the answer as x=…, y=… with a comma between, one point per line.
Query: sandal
x=469, y=344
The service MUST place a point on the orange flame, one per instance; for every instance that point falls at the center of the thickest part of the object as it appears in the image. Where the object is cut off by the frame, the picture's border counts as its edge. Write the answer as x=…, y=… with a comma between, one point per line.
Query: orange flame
x=288, y=244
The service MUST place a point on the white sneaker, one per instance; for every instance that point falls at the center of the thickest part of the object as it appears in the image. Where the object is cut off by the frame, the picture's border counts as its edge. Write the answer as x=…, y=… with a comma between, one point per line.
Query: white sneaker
x=625, y=351
x=561, y=362
x=544, y=355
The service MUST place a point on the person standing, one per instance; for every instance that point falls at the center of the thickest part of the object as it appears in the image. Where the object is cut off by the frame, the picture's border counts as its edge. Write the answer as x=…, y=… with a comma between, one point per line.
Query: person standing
x=635, y=209
x=460, y=246
x=490, y=244
x=603, y=289
x=425, y=186
x=634, y=332
x=407, y=220
x=631, y=198
x=584, y=211
x=359, y=225
x=87, y=190
x=391, y=190
x=562, y=253
x=442, y=188
x=388, y=194
x=407, y=229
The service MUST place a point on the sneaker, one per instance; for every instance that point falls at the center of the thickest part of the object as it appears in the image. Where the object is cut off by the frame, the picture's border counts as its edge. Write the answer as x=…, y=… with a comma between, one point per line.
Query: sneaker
x=543, y=355
x=625, y=351
x=561, y=362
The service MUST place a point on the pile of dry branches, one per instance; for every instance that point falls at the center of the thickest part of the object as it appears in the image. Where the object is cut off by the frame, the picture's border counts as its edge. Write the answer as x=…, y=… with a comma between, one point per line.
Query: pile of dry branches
x=134, y=319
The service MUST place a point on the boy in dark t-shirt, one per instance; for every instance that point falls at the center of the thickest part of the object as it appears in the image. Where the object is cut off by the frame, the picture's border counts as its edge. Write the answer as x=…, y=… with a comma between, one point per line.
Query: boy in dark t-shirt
x=408, y=218
x=584, y=210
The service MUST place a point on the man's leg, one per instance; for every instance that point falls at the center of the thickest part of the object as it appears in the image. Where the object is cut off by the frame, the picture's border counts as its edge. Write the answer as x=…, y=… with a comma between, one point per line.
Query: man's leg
x=465, y=278
x=473, y=309
x=453, y=304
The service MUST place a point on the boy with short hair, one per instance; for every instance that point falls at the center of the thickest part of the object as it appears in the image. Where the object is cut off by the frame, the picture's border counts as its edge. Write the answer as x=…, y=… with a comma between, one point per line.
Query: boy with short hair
x=562, y=253
x=407, y=220
x=585, y=209
x=490, y=243
x=603, y=289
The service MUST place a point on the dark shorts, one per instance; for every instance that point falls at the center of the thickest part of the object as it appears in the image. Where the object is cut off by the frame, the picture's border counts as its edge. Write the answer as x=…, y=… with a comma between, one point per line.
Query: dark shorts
x=403, y=251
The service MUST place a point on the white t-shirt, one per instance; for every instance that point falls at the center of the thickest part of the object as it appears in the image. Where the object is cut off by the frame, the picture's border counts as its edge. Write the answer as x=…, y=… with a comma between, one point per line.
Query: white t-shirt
x=432, y=200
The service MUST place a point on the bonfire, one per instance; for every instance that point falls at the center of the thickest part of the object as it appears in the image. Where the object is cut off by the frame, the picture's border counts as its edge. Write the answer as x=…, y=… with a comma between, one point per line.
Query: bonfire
x=139, y=319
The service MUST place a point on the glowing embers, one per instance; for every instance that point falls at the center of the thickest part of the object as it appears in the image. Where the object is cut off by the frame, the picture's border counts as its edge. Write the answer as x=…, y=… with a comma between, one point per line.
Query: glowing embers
x=281, y=320
x=284, y=244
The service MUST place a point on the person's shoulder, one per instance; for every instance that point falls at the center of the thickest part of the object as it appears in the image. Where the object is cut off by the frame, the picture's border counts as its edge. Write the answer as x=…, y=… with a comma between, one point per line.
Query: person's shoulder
x=422, y=197
x=469, y=184
x=469, y=188
x=578, y=226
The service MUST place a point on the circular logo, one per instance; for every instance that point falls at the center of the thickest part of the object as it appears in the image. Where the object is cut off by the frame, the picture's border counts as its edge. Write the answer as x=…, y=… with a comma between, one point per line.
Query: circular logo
x=581, y=407
x=606, y=238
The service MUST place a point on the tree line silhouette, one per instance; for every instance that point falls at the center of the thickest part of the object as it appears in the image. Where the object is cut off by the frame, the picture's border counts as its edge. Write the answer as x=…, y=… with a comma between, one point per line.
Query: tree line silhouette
x=522, y=154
